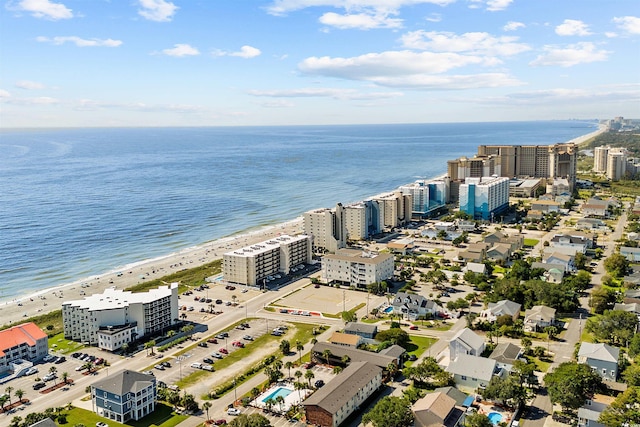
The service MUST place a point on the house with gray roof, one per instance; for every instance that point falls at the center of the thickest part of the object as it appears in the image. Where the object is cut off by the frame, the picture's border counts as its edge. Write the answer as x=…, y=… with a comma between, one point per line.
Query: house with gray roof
x=471, y=372
x=437, y=409
x=566, y=260
x=539, y=317
x=413, y=306
x=602, y=358
x=501, y=308
x=124, y=396
x=337, y=352
x=506, y=354
x=340, y=397
x=632, y=307
x=462, y=399
x=364, y=330
x=631, y=254
x=466, y=342
x=589, y=413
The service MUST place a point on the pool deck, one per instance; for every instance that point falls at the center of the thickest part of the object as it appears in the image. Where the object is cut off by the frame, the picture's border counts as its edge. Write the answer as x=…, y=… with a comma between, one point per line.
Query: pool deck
x=294, y=398
x=488, y=407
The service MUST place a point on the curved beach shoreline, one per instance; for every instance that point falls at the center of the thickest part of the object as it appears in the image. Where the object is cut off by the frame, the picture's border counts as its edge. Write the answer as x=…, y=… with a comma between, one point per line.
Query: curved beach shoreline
x=49, y=299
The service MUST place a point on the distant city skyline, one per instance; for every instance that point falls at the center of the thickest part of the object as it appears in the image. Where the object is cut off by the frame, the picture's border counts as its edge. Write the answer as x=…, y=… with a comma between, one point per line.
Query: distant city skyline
x=73, y=63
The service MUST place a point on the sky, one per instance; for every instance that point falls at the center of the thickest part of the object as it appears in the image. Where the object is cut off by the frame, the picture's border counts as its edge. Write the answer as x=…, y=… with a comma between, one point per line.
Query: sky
x=111, y=63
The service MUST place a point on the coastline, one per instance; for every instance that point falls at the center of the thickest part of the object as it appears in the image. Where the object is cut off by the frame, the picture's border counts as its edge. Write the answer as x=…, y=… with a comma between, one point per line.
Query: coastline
x=42, y=301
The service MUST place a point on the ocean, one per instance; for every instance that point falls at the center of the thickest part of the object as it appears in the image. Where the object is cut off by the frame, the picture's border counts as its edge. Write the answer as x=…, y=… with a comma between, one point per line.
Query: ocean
x=80, y=202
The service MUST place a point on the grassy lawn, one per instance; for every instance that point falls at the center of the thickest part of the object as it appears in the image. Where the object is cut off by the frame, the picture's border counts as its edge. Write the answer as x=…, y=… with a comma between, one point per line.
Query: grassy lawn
x=187, y=278
x=163, y=416
x=541, y=365
x=60, y=344
x=418, y=346
x=530, y=242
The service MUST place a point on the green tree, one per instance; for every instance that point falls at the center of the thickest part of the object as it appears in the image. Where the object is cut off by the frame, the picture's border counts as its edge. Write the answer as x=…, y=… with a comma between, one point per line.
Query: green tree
x=477, y=420
x=252, y=420
x=308, y=375
x=390, y=411
x=634, y=345
x=624, y=410
x=571, y=383
x=428, y=373
x=288, y=365
x=285, y=347
x=614, y=326
x=299, y=347
x=19, y=393
x=526, y=344
x=349, y=316
x=206, y=406
x=602, y=299
x=395, y=336
x=631, y=375
x=326, y=354
x=9, y=390
x=616, y=265
x=509, y=390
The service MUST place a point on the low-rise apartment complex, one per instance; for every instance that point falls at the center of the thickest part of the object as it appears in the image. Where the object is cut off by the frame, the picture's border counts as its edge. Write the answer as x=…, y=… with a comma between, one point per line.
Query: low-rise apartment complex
x=356, y=267
x=93, y=319
x=252, y=265
x=22, y=342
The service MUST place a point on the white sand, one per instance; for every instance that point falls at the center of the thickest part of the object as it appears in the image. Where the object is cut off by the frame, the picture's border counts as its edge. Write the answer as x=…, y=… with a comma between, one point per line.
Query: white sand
x=51, y=299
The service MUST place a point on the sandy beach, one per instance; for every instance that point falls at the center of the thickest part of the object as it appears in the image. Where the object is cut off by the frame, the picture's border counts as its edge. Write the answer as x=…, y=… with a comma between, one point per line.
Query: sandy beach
x=40, y=302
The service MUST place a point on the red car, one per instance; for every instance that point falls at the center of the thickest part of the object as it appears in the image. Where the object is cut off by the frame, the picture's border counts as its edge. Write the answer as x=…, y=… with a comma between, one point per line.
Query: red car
x=413, y=328
x=238, y=344
x=223, y=350
x=220, y=422
x=212, y=341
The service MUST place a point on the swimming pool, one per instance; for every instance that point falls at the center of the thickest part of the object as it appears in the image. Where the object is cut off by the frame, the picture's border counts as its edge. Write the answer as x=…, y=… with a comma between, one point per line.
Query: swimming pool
x=280, y=391
x=388, y=309
x=494, y=417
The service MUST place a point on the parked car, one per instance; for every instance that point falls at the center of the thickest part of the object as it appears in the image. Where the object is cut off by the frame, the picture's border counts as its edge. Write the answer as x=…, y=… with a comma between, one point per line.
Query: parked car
x=218, y=301
x=49, y=377
x=247, y=337
x=196, y=365
x=319, y=383
x=31, y=371
x=223, y=350
x=208, y=360
x=207, y=368
x=166, y=364
x=413, y=327
x=159, y=367
x=212, y=341
x=240, y=327
x=220, y=422
x=38, y=386
x=233, y=411
x=101, y=424
x=413, y=357
x=245, y=325
x=202, y=344
x=217, y=355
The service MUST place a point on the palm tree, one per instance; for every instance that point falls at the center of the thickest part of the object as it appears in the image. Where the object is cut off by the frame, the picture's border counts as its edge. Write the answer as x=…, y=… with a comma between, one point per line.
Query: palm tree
x=326, y=354
x=269, y=404
x=314, y=341
x=255, y=392
x=392, y=368
x=19, y=394
x=3, y=400
x=234, y=298
x=299, y=347
x=9, y=390
x=183, y=316
x=65, y=377
x=206, y=406
x=280, y=402
x=337, y=370
x=345, y=359
x=88, y=366
x=289, y=364
x=309, y=376
x=149, y=345
x=298, y=374
x=53, y=370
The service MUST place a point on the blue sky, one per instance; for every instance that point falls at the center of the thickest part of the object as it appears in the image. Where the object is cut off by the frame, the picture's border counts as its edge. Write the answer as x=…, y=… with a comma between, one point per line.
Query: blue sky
x=296, y=62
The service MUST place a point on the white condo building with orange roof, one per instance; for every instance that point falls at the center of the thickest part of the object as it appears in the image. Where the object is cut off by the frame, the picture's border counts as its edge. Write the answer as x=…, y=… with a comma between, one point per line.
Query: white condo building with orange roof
x=22, y=342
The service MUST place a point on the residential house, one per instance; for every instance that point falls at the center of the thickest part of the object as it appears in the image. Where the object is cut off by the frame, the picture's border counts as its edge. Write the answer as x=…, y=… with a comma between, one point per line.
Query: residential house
x=472, y=372
x=545, y=206
x=349, y=340
x=506, y=354
x=365, y=330
x=632, y=307
x=602, y=358
x=462, y=399
x=631, y=254
x=475, y=267
x=595, y=208
x=591, y=224
x=474, y=252
x=340, y=397
x=570, y=244
x=124, y=396
x=437, y=409
x=516, y=241
x=589, y=413
x=466, y=342
x=499, y=253
x=566, y=261
x=501, y=308
x=553, y=273
x=539, y=317
x=413, y=306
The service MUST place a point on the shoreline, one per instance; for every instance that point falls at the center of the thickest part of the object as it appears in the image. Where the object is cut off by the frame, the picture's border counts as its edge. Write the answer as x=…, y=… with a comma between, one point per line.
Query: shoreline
x=39, y=302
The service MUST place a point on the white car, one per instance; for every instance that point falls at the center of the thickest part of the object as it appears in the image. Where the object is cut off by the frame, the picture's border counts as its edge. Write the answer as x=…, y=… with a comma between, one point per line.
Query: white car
x=31, y=371
x=233, y=411
x=196, y=365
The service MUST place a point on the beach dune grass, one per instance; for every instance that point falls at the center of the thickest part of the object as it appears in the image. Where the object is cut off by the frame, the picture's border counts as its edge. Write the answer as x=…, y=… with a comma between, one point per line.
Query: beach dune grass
x=62, y=345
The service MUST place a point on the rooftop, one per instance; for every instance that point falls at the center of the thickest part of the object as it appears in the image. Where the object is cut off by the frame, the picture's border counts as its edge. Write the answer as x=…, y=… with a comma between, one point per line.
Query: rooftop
x=117, y=298
x=124, y=381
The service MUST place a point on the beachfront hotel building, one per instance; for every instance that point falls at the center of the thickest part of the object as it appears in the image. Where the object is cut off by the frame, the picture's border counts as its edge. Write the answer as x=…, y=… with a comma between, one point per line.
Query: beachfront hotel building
x=116, y=317
x=357, y=267
x=327, y=228
x=482, y=198
x=359, y=220
x=616, y=164
x=427, y=195
x=394, y=209
x=253, y=264
x=535, y=161
x=22, y=342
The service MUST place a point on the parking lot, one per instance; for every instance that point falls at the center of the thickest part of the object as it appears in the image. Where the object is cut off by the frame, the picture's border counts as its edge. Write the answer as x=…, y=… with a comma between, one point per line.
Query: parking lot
x=324, y=299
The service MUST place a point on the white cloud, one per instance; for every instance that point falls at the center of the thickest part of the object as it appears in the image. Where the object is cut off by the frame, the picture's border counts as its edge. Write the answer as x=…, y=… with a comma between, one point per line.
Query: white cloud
x=42, y=100
x=45, y=9
x=157, y=10
x=80, y=42
x=417, y=70
x=434, y=17
x=361, y=21
x=513, y=25
x=556, y=96
x=579, y=53
x=474, y=43
x=610, y=34
x=630, y=24
x=350, y=94
x=496, y=5
x=29, y=85
x=573, y=27
x=4, y=94
x=244, y=52
x=180, y=50
x=282, y=7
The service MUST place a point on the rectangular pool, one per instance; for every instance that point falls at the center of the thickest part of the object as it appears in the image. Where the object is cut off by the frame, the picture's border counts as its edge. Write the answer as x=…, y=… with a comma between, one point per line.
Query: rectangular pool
x=280, y=391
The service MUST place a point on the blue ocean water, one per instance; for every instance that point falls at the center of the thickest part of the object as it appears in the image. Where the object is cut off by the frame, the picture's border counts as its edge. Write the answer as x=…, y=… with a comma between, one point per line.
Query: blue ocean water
x=80, y=202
